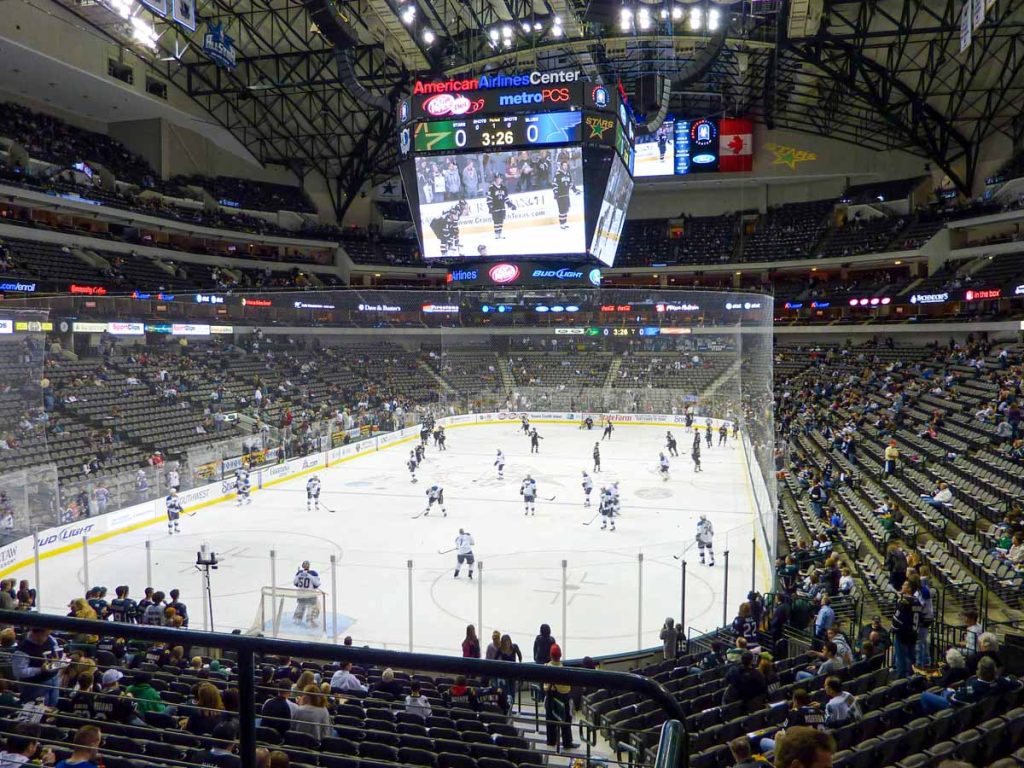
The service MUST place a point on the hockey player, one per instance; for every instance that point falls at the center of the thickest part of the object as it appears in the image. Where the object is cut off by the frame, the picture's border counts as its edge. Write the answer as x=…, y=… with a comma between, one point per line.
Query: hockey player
x=424, y=433
x=306, y=578
x=723, y=433
x=663, y=466
x=696, y=452
x=535, y=441
x=528, y=490
x=464, y=552
x=412, y=464
x=607, y=430
x=670, y=443
x=242, y=485
x=173, y=480
x=499, y=462
x=588, y=423
x=122, y=608
x=735, y=430
x=435, y=494
x=525, y=423
x=439, y=438
x=313, y=494
x=446, y=227
x=607, y=509
x=420, y=452
x=708, y=432
x=614, y=491
x=561, y=185
x=588, y=486
x=705, y=539
x=497, y=201
x=662, y=145
x=689, y=418
x=597, y=458
x=173, y=512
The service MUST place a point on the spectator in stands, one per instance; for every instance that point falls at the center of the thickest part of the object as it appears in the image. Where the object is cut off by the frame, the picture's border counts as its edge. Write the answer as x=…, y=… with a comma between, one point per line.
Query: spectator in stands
x=988, y=647
x=941, y=498
x=344, y=680
x=892, y=457
x=825, y=618
x=955, y=671
x=493, y=646
x=804, y=747
x=905, y=622
x=222, y=752
x=416, y=703
x=471, y=644
x=669, y=637
x=742, y=753
x=831, y=662
x=85, y=750
x=389, y=686
x=744, y=682
x=277, y=710
x=896, y=565
x=744, y=624
x=35, y=666
x=147, y=697
x=312, y=717
x=842, y=707
x=542, y=645
x=209, y=711
x=985, y=683
x=558, y=706
x=919, y=583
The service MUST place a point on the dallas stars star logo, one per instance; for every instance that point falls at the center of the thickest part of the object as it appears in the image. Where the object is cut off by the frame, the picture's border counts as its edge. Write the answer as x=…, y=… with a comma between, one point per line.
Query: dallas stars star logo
x=789, y=156
x=598, y=127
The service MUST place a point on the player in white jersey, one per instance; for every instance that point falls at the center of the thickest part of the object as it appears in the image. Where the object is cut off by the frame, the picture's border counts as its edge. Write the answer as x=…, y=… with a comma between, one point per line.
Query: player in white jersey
x=607, y=508
x=313, y=493
x=528, y=490
x=307, y=609
x=588, y=486
x=499, y=462
x=435, y=494
x=525, y=423
x=663, y=466
x=242, y=485
x=173, y=512
x=412, y=464
x=464, y=552
x=705, y=539
x=173, y=480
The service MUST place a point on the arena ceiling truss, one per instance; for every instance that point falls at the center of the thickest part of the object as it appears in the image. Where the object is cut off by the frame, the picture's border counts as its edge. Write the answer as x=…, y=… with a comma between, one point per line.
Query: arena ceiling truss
x=315, y=79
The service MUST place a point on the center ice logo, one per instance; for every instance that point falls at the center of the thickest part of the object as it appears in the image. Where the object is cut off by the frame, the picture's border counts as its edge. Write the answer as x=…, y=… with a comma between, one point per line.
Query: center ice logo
x=503, y=273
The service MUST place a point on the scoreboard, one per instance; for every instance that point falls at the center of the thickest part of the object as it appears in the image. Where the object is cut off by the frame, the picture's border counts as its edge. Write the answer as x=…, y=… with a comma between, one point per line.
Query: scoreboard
x=508, y=132
x=517, y=165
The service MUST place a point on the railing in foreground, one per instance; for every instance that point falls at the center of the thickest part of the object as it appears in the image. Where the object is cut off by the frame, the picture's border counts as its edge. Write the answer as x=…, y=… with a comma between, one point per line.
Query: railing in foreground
x=246, y=650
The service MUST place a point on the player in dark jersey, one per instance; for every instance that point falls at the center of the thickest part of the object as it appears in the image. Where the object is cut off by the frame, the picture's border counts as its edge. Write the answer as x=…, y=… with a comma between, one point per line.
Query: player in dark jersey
x=561, y=185
x=662, y=145
x=497, y=201
x=446, y=228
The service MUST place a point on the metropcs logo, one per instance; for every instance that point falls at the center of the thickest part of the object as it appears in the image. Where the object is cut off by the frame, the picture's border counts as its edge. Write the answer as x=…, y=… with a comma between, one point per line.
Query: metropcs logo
x=499, y=80
x=503, y=273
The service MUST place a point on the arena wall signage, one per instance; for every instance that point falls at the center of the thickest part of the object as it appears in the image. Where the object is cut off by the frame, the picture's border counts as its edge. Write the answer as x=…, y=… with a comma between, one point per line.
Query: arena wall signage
x=874, y=301
x=34, y=326
x=305, y=305
x=440, y=309
x=521, y=273
x=6, y=326
x=247, y=302
x=928, y=298
x=742, y=306
x=676, y=308
x=88, y=327
x=126, y=329
x=207, y=298
x=87, y=290
x=499, y=80
x=17, y=286
x=988, y=293
x=188, y=329
x=222, y=329
x=377, y=308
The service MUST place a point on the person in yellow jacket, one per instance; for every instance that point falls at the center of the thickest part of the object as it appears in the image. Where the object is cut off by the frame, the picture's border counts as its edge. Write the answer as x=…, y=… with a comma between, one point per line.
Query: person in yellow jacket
x=558, y=716
x=892, y=455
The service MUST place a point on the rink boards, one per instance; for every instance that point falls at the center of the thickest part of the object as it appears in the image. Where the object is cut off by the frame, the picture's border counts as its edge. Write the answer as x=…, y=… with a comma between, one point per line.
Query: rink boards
x=60, y=540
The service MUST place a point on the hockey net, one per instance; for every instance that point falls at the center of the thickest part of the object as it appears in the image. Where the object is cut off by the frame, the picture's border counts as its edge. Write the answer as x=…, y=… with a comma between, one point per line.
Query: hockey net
x=286, y=612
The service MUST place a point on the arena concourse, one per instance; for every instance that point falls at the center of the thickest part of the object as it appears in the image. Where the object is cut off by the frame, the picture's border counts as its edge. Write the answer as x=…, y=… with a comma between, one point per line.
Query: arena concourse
x=489, y=385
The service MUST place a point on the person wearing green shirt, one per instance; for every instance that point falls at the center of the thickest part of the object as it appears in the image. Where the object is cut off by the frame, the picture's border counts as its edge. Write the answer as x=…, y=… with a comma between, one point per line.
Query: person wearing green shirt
x=147, y=698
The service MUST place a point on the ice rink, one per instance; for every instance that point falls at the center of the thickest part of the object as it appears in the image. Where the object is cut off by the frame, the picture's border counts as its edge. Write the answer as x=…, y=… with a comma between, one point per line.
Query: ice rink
x=374, y=535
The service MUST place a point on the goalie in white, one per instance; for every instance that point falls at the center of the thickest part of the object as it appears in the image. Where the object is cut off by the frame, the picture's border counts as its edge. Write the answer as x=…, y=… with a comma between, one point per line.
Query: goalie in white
x=435, y=494
x=528, y=490
x=313, y=493
x=705, y=539
x=307, y=609
x=499, y=462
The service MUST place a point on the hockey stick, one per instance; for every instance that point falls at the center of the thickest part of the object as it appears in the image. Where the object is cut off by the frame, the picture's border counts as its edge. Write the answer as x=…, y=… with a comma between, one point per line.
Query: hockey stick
x=548, y=498
x=588, y=522
x=328, y=509
x=685, y=550
x=445, y=551
x=421, y=514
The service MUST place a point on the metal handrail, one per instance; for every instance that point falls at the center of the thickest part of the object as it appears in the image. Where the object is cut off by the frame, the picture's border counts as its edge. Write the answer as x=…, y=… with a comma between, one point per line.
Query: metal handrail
x=247, y=647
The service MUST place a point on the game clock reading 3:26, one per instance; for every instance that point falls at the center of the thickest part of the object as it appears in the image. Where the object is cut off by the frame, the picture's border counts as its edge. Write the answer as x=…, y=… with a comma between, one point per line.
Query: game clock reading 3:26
x=507, y=132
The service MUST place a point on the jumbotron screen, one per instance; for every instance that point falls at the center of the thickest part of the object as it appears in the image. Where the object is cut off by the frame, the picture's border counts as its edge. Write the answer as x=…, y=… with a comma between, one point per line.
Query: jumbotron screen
x=522, y=202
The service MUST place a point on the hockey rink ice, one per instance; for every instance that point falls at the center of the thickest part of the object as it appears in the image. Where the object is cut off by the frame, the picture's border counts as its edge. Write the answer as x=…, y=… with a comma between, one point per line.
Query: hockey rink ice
x=373, y=535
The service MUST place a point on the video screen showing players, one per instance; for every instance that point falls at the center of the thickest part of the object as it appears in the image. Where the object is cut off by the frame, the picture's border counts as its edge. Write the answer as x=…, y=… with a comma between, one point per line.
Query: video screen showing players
x=655, y=153
x=613, y=214
x=524, y=202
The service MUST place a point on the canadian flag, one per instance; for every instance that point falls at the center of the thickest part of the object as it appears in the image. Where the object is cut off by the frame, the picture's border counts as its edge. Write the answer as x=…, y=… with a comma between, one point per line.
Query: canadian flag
x=735, y=145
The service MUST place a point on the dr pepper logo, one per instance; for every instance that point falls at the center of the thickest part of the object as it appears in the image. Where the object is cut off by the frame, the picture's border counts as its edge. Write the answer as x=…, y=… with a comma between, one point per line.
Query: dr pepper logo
x=503, y=273
x=443, y=104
